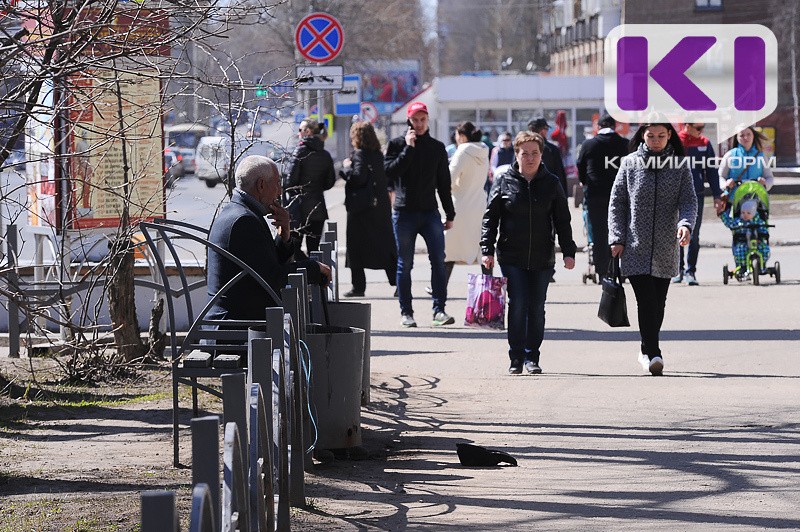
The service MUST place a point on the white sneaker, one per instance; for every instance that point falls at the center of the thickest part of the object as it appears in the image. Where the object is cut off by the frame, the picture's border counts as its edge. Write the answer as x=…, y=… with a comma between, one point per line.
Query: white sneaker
x=656, y=366
x=408, y=321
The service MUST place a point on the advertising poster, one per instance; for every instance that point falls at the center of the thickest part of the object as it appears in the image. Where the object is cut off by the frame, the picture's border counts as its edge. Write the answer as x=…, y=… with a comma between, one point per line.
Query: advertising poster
x=389, y=84
x=96, y=142
x=40, y=169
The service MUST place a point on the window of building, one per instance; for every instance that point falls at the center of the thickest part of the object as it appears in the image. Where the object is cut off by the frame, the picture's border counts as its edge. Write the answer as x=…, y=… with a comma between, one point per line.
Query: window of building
x=492, y=115
x=708, y=5
x=521, y=117
x=461, y=115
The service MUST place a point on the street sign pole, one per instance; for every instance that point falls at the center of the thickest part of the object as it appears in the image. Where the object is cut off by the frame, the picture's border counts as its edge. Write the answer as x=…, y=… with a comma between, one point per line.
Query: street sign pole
x=321, y=107
x=319, y=38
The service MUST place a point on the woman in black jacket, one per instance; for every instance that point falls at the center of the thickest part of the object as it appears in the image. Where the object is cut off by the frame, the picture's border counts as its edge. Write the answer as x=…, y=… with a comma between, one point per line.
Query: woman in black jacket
x=309, y=174
x=526, y=202
x=370, y=239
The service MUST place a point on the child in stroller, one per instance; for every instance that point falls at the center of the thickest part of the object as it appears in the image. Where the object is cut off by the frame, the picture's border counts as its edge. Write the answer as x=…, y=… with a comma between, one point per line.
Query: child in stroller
x=747, y=219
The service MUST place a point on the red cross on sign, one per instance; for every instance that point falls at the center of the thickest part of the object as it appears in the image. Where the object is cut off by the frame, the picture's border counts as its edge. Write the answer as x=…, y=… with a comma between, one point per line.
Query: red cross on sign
x=319, y=37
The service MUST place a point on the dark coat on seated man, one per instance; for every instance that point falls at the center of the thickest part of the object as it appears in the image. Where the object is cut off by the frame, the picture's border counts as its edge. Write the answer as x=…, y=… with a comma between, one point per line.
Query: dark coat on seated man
x=242, y=230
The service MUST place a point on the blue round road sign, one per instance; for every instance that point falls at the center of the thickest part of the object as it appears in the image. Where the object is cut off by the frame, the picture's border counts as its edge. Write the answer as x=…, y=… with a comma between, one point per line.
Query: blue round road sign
x=319, y=37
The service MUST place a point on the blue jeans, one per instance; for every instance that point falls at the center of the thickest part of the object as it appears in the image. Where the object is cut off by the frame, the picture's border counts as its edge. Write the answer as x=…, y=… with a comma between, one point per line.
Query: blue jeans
x=527, y=292
x=694, y=243
x=407, y=225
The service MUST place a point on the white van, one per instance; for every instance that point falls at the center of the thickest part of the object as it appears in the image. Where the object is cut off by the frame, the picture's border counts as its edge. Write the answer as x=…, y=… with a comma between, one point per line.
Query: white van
x=213, y=156
x=212, y=160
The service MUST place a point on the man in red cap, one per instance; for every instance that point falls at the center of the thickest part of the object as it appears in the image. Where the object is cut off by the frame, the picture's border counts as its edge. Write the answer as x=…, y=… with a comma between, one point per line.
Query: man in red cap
x=416, y=166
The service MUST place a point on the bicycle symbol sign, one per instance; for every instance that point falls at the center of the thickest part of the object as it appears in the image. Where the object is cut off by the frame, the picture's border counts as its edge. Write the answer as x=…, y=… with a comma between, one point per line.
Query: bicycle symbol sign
x=319, y=37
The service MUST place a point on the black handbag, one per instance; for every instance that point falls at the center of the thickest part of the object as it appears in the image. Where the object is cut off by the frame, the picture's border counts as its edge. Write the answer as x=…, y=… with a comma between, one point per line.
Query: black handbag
x=613, y=308
x=363, y=198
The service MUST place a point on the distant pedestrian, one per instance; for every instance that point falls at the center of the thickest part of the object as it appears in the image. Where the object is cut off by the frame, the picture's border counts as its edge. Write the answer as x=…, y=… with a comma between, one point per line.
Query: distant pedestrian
x=651, y=202
x=551, y=157
x=309, y=173
x=451, y=148
x=528, y=208
x=370, y=239
x=468, y=169
x=598, y=162
x=745, y=161
x=416, y=165
x=700, y=152
x=502, y=154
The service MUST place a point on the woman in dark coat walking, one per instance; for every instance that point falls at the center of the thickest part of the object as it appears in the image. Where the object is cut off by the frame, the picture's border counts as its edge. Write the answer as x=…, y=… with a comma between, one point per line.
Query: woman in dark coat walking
x=370, y=238
x=310, y=173
x=528, y=207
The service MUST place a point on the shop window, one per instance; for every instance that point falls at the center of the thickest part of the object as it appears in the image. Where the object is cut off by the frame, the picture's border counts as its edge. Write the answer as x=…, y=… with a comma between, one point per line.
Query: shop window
x=461, y=115
x=491, y=115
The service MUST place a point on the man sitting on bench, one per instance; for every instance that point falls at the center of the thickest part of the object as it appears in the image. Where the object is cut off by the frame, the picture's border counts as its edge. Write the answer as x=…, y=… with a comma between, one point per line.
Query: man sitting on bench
x=242, y=230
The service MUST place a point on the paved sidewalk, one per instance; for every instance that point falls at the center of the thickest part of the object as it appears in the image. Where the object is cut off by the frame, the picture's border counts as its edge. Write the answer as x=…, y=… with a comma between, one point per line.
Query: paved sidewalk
x=712, y=445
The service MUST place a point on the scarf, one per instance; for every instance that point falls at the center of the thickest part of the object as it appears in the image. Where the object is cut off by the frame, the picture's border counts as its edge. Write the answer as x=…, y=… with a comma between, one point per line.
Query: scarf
x=646, y=153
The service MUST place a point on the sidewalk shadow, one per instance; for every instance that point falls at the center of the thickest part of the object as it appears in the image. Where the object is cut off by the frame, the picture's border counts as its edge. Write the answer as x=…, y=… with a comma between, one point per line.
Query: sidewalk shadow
x=408, y=482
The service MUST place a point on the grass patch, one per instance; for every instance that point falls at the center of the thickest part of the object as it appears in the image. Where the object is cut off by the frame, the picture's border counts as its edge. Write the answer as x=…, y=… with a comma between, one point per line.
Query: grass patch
x=92, y=400
x=50, y=514
x=29, y=515
x=47, y=403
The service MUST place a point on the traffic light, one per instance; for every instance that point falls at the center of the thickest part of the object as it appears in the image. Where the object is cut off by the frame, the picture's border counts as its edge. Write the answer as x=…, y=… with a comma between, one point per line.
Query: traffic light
x=261, y=92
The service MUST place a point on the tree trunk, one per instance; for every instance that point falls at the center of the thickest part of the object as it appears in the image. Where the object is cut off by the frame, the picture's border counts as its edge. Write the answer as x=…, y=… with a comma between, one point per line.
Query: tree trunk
x=122, y=303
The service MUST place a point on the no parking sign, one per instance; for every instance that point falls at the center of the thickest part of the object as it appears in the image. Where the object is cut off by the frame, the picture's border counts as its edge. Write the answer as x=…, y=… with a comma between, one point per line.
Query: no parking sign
x=319, y=37
x=369, y=112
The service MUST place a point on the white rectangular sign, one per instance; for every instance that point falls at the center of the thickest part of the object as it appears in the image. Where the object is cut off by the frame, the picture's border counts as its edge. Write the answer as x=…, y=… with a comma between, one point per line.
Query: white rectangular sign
x=348, y=100
x=311, y=77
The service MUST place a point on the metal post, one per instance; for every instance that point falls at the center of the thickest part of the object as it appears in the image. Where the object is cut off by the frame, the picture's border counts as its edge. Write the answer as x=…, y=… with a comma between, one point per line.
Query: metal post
x=205, y=459
x=158, y=511
x=234, y=407
x=289, y=296
x=13, y=286
x=298, y=281
x=274, y=318
x=327, y=258
x=332, y=238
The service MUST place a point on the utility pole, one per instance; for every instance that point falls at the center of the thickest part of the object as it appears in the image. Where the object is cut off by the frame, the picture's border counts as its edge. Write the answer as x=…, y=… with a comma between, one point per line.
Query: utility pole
x=793, y=59
x=499, y=37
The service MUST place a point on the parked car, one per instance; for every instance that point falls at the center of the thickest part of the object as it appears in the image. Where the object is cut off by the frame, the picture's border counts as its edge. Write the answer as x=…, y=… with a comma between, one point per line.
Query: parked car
x=212, y=160
x=15, y=160
x=188, y=159
x=173, y=168
x=214, y=156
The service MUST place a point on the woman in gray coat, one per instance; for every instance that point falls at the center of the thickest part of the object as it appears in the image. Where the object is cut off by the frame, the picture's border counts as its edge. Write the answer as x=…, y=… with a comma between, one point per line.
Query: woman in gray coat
x=653, y=209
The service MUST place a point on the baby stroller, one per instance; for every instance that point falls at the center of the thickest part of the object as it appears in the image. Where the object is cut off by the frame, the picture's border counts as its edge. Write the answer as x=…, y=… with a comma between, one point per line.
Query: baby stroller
x=752, y=239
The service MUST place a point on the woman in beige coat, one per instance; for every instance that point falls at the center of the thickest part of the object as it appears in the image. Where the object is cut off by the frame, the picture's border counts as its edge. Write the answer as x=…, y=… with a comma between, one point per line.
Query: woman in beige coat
x=469, y=168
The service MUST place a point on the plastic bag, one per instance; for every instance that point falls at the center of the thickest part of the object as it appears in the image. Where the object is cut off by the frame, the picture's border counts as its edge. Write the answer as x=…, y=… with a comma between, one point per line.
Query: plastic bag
x=486, y=301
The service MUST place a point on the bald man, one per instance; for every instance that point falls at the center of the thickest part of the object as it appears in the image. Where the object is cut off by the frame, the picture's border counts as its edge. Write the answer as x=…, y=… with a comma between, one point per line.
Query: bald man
x=242, y=229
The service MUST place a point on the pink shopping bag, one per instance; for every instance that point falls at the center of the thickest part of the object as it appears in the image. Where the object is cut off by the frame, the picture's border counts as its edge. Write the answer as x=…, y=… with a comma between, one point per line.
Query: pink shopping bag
x=486, y=301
